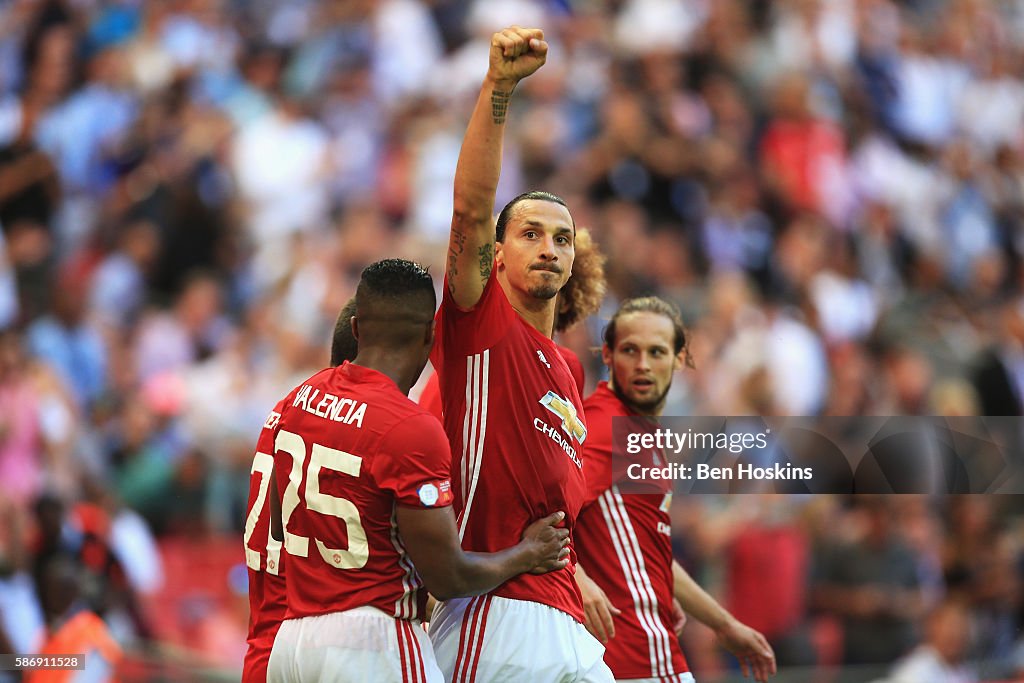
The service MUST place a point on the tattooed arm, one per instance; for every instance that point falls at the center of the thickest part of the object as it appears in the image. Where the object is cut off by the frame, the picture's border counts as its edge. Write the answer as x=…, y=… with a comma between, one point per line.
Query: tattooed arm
x=515, y=54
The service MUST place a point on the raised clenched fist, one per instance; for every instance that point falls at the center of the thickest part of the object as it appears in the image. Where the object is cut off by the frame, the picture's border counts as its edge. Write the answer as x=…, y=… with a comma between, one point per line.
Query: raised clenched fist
x=516, y=53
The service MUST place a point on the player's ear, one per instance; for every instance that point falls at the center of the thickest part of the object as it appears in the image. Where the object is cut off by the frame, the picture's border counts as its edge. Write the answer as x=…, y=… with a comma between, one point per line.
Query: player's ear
x=429, y=338
x=678, y=362
x=606, y=355
x=354, y=323
x=499, y=257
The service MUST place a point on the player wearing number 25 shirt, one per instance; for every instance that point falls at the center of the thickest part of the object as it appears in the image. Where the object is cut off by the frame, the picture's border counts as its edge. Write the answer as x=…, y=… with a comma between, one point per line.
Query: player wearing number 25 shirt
x=365, y=514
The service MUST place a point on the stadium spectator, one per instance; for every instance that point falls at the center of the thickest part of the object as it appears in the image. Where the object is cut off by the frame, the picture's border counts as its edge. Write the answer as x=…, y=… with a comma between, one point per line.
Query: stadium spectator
x=874, y=585
x=70, y=342
x=940, y=657
x=73, y=627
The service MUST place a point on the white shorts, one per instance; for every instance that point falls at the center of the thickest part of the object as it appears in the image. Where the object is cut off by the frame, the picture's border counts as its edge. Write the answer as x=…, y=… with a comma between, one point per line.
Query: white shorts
x=493, y=640
x=363, y=644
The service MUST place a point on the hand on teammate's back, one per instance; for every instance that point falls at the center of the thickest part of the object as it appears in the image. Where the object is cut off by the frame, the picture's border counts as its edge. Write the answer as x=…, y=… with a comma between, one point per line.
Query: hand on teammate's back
x=550, y=544
x=516, y=53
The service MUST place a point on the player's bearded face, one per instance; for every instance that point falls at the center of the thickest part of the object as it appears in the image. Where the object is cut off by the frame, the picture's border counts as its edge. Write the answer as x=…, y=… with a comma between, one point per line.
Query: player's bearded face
x=643, y=360
x=538, y=250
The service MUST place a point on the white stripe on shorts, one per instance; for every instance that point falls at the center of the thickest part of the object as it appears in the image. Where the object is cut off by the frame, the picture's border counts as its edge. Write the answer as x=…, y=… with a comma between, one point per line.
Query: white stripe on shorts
x=474, y=623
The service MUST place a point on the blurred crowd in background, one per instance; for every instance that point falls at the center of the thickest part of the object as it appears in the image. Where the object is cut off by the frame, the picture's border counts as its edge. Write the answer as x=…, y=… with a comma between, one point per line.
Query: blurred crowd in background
x=831, y=190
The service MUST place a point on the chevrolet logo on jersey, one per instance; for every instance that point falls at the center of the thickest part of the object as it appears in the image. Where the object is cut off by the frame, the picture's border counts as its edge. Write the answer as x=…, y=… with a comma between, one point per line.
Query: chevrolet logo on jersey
x=571, y=422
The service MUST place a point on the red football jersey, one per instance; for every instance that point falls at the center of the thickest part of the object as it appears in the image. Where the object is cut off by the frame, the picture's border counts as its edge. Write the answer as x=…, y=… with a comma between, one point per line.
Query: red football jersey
x=263, y=557
x=353, y=447
x=516, y=426
x=575, y=366
x=430, y=398
x=623, y=541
